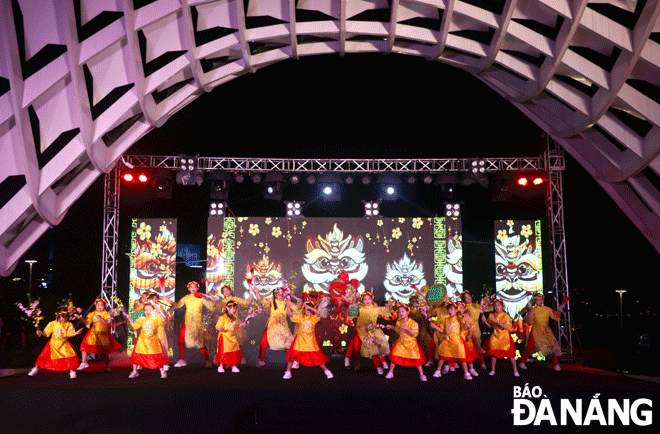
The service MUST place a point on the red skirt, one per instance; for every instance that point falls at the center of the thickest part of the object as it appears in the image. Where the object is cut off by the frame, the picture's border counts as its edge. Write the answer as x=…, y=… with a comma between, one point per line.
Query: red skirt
x=408, y=362
x=305, y=358
x=67, y=364
x=501, y=354
x=150, y=361
x=99, y=349
x=231, y=358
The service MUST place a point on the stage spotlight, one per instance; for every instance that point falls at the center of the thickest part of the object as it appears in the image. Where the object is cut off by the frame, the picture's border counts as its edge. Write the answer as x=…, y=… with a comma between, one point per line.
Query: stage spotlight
x=311, y=179
x=329, y=183
x=452, y=209
x=162, y=182
x=274, y=181
x=389, y=184
x=366, y=179
x=189, y=173
x=523, y=181
x=239, y=178
x=256, y=178
x=143, y=178
x=294, y=209
x=371, y=209
x=428, y=179
x=349, y=180
x=220, y=183
x=128, y=177
x=538, y=180
x=411, y=179
x=294, y=179
x=478, y=166
x=217, y=209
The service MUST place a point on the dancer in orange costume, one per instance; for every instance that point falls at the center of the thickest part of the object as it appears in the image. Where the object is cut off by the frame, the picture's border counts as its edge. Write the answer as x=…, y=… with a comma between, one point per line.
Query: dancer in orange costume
x=58, y=354
x=500, y=344
x=98, y=339
x=305, y=348
x=406, y=351
x=229, y=353
x=452, y=346
x=148, y=351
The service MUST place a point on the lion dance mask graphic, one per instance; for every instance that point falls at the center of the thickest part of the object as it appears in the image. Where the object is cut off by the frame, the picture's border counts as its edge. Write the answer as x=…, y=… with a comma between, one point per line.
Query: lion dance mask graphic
x=266, y=277
x=401, y=276
x=215, y=263
x=329, y=256
x=154, y=260
x=518, y=267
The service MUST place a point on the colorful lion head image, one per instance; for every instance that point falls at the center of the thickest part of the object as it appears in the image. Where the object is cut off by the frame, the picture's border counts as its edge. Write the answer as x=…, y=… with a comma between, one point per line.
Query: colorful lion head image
x=518, y=266
x=401, y=276
x=329, y=256
x=154, y=260
x=215, y=262
x=266, y=277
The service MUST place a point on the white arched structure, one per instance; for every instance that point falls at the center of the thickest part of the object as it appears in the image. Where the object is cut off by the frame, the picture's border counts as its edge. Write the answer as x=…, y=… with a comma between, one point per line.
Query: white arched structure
x=82, y=80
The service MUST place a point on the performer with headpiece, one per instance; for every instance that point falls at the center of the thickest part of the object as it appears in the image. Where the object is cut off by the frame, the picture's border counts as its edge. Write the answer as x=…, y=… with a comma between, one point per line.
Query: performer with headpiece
x=148, y=351
x=452, y=346
x=58, y=354
x=277, y=335
x=192, y=333
x=98, y=339
x=406, y=351
x=474, y=310
x=541, y=338
x=368, y=339
x=500, y=344
x=229, y=297
x=305, y=348
x=229, y=353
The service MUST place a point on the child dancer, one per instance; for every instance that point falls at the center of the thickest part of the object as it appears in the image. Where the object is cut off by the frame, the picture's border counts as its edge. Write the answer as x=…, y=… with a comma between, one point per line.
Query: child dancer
x=474, y=309
x=469, y=326
x=406, y=350
x=229, y=354
x=500, y=344
x=541, y=337
x=452, y=347
x=98, y=339
x=148, y=351
x=305, y=348
x=277, y=335
x=227, y=297
x=369, y=340
x=58, y=354
x=192, y=334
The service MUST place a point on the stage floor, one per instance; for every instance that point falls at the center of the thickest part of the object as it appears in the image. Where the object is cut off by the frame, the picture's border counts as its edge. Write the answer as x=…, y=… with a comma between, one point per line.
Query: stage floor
x=257, y=400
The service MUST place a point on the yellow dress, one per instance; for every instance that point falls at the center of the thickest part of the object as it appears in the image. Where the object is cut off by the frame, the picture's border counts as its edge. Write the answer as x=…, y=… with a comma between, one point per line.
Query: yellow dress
x=305, y=348
x=475, y=311
x=278, y=332
x=58, y=354
x=543, y=338
x=406, y=350
x=195, y=336
x=98, y=339
x=241, y=333
x=374, y=341
x=500, y=344
x=452, y=346
x=229, y=352
x=149, y=351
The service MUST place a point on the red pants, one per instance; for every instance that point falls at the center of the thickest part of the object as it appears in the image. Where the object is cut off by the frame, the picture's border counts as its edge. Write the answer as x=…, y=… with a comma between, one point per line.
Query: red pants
x=356, y=344
x=263, y=345
x=182, y=345
x=530, y=348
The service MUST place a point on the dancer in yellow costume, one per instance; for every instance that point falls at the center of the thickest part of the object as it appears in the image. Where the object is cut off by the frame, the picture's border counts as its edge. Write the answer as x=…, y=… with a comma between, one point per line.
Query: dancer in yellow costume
x=406, y=350
x=228, y=296
x=192, y=333
x=229, y=353
x=98, y=339
x=437, y=314
x=452, y=347
x=305, y=348
x=58, y=354
x=368, y=339
x=474, y=309
x=148, y=351
x=500, y=344
x=469, y=326
x=541, y=338
x=277, y=335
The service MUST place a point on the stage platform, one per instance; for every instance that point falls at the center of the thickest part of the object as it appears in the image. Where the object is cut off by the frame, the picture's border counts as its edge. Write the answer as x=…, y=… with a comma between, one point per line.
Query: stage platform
x=196, y=399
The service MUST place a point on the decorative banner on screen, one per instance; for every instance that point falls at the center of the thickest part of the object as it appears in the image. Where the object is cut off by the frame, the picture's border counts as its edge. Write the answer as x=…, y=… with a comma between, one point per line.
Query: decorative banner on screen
x=153, y=261
x=388, y=255
x=518, y=262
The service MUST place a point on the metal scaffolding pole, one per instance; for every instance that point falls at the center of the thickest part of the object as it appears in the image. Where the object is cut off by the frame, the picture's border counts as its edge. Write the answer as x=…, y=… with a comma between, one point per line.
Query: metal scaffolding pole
x=555, y=165
x=110, y=236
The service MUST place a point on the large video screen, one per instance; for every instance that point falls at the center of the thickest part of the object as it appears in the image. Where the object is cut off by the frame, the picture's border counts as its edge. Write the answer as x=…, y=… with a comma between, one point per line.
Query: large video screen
x=386, y=255
x=518, y=262
x=152, y=261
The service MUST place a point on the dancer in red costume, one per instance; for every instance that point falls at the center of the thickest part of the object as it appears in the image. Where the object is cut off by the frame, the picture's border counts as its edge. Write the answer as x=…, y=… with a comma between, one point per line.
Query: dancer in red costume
x=98, y=339
x=500, y=344
x=406, y=351
x=58, y=354
x=305, y=348
x=229, y=353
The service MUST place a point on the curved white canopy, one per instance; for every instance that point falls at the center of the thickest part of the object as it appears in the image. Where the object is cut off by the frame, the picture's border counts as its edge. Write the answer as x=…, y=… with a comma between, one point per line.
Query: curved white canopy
x=82, y=80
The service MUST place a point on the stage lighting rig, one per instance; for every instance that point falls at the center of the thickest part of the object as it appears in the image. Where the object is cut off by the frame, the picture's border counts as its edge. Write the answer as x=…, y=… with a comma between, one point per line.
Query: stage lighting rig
x=217, y=208
x=294, y=209
x=389, y=185
x=220, y=183
x=273, y=182
x=329, y=184
x=371, y=209
x=189, y=173
x=452, y=209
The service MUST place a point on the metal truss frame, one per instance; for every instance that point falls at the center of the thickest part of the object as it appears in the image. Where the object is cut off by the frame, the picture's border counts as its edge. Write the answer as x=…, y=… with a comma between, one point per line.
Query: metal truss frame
x=552, y=162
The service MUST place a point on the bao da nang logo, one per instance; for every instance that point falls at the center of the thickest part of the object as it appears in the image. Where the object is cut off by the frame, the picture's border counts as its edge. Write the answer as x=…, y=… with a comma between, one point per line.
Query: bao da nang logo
x=532, y=407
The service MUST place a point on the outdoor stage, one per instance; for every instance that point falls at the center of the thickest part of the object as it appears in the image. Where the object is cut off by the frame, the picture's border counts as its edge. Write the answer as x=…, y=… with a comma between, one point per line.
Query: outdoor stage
x=198, y=399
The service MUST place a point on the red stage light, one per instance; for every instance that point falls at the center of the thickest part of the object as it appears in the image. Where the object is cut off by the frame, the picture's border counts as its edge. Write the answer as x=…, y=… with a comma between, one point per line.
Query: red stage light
x=143, y=178
x=538, y=181
x=128, y=177
x=523, y=181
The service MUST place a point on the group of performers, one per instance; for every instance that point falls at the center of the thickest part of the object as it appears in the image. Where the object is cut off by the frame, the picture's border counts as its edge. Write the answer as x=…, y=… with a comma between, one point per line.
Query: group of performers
x=452, y=330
